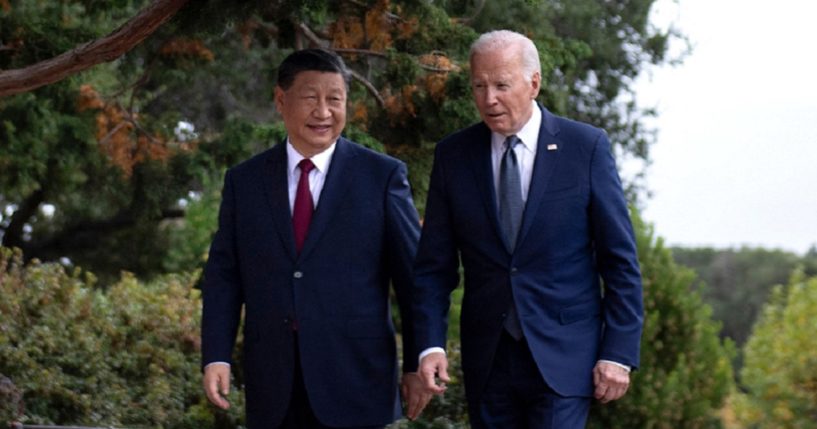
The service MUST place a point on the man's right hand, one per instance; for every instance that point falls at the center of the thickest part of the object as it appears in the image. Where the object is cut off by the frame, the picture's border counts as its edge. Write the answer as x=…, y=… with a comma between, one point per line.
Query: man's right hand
x=217, y=384
x=433, y=366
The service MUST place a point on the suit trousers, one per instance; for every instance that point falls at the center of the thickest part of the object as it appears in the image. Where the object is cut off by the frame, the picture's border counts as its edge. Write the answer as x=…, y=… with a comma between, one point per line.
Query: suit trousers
x=300, y=414
x=516, y=395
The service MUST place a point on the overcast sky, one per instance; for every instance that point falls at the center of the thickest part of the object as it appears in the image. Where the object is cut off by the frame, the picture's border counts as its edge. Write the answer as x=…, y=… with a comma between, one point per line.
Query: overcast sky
x=736, y=158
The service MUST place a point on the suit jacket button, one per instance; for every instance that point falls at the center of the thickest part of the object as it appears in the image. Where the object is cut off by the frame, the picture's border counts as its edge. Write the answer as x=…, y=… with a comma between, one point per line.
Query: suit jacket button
x=297, y=274
x=514, y=270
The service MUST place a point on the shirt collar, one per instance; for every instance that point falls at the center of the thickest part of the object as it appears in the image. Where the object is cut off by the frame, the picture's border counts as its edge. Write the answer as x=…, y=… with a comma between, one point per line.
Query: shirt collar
x=529, y=134
x=320, y=160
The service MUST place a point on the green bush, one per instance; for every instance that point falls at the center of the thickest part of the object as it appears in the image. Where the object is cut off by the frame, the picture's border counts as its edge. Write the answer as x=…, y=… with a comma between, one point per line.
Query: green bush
x=129, y=355
x=780, y=369
x=126, y=355
x=685, y=372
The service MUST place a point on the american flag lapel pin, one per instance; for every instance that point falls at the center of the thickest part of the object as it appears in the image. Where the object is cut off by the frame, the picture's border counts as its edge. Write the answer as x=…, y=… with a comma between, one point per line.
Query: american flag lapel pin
x=552, y=147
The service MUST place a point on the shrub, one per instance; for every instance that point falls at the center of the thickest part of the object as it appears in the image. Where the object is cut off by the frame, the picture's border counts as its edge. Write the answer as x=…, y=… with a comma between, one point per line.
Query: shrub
x=685, y=372
x=127, y=355
x=780, y=369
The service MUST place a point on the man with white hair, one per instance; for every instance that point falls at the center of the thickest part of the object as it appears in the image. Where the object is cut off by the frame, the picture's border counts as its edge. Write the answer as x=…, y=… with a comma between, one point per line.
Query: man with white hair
x=532, y=205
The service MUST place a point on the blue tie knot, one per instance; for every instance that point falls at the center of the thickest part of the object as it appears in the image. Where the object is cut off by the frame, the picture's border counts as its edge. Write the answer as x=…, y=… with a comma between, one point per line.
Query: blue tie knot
x=511, y=142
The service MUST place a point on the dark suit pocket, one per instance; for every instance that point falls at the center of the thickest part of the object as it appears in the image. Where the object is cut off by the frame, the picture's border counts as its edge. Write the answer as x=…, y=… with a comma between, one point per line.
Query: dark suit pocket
x=575, y=313
x=367, y=328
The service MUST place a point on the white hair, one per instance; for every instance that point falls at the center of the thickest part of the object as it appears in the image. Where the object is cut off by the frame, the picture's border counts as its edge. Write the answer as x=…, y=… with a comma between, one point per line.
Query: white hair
x=502, y=39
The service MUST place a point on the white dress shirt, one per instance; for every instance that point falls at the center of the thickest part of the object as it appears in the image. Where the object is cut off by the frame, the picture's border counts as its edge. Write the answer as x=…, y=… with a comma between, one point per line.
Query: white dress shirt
x=317, y=176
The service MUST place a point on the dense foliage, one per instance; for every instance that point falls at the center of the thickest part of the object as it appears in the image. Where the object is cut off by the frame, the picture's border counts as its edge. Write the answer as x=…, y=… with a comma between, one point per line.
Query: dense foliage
x=685, y=373
x=127, y=356
x=118, y=153
x=780, y=369
x=85, y=355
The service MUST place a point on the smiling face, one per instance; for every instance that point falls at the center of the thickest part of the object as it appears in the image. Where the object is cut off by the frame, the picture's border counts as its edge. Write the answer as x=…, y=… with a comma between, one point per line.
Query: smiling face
x=313, y=109
x=501, y=90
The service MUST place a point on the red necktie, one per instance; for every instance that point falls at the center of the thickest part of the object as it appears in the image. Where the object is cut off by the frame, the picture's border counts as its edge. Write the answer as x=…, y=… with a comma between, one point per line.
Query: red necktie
x=303, y=207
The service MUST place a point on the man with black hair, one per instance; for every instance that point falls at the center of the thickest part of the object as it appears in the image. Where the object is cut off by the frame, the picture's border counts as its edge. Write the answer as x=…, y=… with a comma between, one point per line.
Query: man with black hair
x=311, y=234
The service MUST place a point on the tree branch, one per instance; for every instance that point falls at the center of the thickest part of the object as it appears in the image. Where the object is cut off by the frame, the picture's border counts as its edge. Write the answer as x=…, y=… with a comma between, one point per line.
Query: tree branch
x=92, y=53
x=325, y=44
x=312, y=36
x=360, y=51
x=370, y=87
x=72, y=237
x=322, y=43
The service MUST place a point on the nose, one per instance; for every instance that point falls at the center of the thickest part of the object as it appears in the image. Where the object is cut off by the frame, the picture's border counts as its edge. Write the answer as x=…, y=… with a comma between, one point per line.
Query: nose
x=322, y=109
x=489, y=96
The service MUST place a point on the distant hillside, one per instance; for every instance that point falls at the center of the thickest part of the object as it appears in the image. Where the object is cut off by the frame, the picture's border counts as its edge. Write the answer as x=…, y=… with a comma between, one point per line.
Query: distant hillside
x=736, y=282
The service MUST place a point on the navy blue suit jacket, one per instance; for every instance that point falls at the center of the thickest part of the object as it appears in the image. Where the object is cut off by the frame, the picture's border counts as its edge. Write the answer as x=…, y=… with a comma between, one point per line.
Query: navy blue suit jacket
x=363, y=236
x=575, y=230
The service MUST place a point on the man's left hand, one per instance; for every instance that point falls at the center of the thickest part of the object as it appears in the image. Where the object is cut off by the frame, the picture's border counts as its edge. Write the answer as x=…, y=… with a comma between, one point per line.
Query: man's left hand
x=415, y=394
x=611, y=381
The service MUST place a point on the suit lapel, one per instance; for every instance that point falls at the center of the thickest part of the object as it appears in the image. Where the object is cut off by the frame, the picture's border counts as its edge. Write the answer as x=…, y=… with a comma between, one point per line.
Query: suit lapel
x=484, y=177
x=338, y=178
x=543, y=167
x=276, y=189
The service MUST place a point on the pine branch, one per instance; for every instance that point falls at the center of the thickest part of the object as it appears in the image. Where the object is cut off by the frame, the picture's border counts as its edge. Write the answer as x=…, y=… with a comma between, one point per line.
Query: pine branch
x=92, y=53
x=306, y=31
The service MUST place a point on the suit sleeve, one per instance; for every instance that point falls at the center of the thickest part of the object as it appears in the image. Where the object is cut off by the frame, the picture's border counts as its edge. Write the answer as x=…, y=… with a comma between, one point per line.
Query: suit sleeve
x=402, y=234
x=436, y=270
x=221, y=291
x=616, y=259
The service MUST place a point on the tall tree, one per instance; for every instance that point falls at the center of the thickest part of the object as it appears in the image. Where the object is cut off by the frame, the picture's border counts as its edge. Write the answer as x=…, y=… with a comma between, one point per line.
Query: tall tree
x=103, y=150
x=780, y=375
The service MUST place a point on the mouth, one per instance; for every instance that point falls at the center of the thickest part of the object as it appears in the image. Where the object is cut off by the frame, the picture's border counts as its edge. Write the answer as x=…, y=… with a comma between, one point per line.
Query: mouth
x=320, y=129
x=494, y=115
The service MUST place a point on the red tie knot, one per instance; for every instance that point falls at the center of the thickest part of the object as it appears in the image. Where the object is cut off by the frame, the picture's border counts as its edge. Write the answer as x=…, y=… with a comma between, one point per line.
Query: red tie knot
x=306, y=165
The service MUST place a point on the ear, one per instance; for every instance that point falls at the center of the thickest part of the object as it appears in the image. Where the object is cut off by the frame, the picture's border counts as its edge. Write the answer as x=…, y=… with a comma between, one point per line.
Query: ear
x=279, y=98
x=535, y=84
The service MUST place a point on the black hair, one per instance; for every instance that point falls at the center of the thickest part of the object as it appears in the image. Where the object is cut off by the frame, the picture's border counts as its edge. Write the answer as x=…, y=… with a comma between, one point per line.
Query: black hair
x=319, y=60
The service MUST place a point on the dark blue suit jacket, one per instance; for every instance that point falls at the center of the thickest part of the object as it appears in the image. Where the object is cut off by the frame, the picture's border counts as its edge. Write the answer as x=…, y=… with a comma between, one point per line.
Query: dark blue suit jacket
x=575, y=230
x=363, y=236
